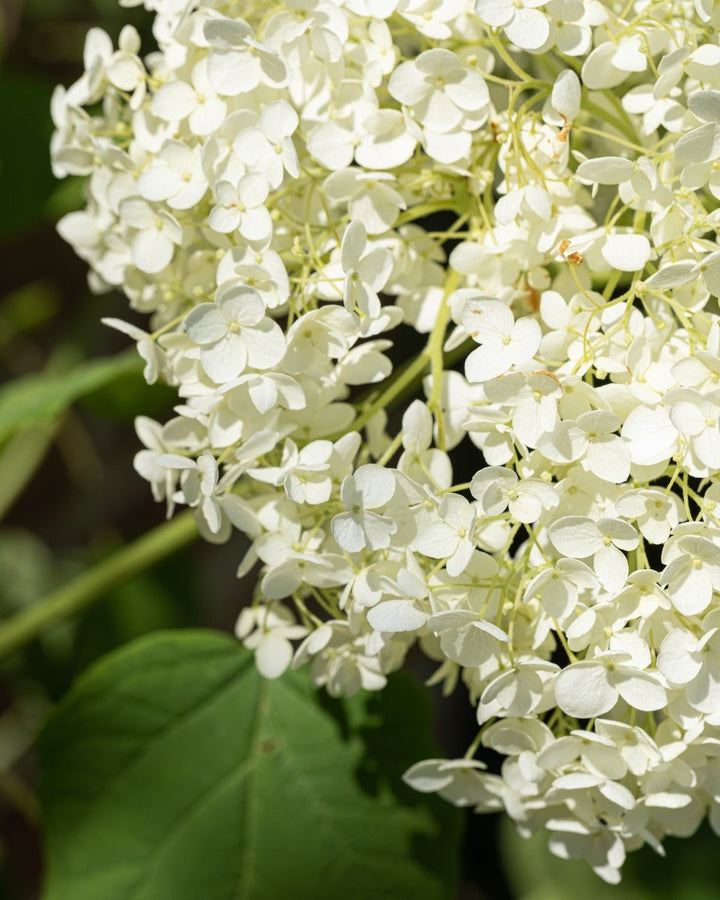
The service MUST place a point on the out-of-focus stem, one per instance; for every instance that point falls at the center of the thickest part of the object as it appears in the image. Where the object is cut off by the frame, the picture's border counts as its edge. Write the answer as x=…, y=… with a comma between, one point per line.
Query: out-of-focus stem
x=97, y=582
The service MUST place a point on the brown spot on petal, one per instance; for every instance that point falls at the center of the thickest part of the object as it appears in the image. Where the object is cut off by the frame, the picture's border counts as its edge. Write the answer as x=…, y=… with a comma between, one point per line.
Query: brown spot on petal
x=573, y=257
x=549, y=375
x=532, y=298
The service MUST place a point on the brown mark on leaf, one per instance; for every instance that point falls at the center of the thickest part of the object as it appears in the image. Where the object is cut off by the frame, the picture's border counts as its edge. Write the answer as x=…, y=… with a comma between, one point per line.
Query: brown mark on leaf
x=268, y=746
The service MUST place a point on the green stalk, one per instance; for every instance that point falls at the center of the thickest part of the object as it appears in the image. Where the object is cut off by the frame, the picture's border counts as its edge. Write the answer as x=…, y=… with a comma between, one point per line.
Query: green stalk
x=97, y=582
x=410, y=375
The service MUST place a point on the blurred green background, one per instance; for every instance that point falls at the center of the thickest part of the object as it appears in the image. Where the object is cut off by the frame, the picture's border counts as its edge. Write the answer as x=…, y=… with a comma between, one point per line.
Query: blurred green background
x=69, y=497
x=68, y=494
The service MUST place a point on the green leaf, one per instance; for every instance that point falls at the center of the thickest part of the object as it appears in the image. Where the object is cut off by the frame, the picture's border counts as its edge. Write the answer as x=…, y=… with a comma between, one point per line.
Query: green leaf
x=28, y=567
x=172, y=770
x=35, y=399
x=27, y=309
x=20, y=456
x=128, y=396
x=25, y=176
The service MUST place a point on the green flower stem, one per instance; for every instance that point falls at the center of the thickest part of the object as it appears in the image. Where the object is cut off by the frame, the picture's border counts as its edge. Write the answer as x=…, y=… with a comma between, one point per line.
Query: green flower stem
x=97, y=582
x=410, y=375
x=606, y=116
x=408, y=379
x=435, y=350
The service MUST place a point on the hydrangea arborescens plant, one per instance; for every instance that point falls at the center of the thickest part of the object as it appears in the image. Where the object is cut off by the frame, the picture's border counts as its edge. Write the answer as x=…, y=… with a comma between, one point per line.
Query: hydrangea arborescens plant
x=293, y=192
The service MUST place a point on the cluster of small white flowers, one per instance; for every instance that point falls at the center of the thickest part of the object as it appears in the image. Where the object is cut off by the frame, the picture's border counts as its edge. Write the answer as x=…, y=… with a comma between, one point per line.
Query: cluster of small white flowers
x=294, y=191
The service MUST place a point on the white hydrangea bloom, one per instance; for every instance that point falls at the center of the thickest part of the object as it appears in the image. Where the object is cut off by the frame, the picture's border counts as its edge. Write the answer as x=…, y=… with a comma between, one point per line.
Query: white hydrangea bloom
x=366, y=231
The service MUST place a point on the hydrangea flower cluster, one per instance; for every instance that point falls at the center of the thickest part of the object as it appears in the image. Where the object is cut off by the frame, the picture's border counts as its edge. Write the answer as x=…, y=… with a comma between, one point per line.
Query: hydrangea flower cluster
x=294, y=192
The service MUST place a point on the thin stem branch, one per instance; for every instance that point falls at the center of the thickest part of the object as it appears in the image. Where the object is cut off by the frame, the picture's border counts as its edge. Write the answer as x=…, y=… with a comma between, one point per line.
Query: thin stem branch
x=407, y=376
x=97, y=582
x=18, y=795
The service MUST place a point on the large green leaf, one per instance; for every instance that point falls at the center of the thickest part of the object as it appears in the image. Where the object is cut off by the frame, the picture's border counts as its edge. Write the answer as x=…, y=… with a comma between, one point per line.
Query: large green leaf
x=36, y=399
x=172, y=771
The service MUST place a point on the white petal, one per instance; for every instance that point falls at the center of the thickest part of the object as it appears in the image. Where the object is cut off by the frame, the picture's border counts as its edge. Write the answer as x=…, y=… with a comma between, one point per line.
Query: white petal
x=265, y=344
x=575, y=536
x=650, y=434
x=174, y=101
x=208, y=116
x=417, y=427
x=408, y=85
x=378, y=530
x=626, y=252
x=705, y=105
x=331, y=146
x=470, y=646
x=396, y=615
x=528, y=29
x=224, y=360
x=347, y=532
x=598, y=71
x=205, y=324
x=224, y=219
x=486, y=362
x=252, y=189
x=278, y=121
x=486, y=319
x=151, y=251
x=675, y=660
x=617, y=794
x=687, y=418
x=566, y=94
x=158, y=182
x=699, y=146
x=584, y=691
x=673, y=275
x=469, y=92
x=436, y=540
x=609, y=460
x=255, y=224
x=640, y=690
x=526, y=337
x=494, y=12
x=692, y=594
x=273, y=656
x=621, y=533
x=427, y=776
x=353, y=245
x=605, y=169
x=611, y=567
x=377, y=485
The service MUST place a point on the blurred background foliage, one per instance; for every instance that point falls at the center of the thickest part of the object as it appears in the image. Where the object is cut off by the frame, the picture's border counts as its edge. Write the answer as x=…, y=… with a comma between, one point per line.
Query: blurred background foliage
x=69, y=497
x=68, y=494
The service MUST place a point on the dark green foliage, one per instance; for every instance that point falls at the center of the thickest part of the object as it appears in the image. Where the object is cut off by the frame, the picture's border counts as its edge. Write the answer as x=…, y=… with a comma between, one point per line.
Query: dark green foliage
x=172, y=770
